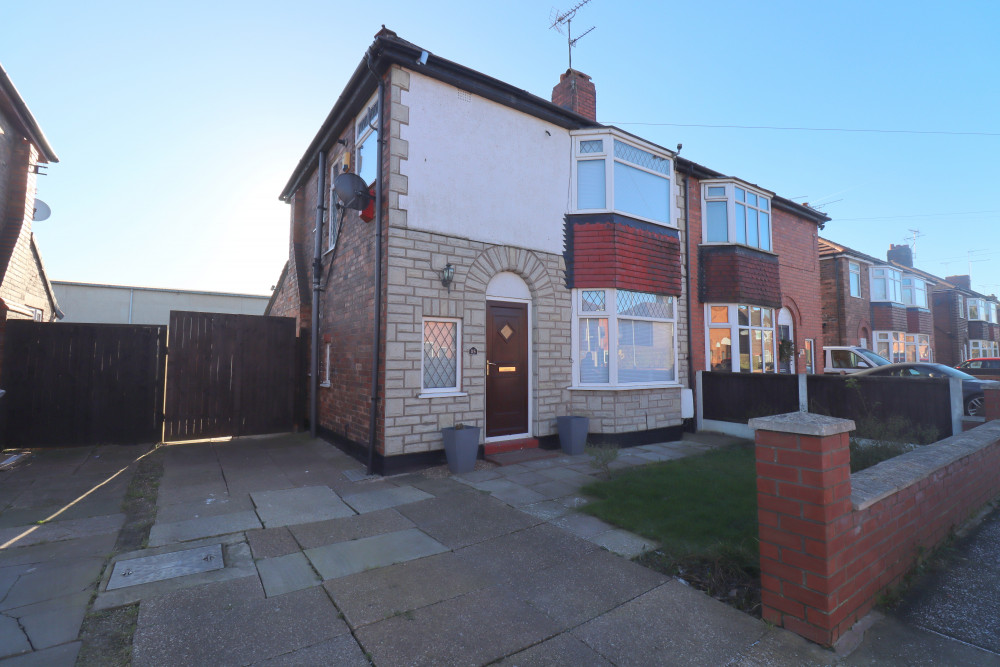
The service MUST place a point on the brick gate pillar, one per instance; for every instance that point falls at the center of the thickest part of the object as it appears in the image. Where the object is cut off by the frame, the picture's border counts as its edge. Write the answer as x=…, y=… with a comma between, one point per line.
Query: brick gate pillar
x=804, y=515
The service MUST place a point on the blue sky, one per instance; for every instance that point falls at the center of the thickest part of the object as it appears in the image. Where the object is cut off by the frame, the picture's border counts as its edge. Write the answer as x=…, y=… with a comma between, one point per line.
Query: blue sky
x=177, y=124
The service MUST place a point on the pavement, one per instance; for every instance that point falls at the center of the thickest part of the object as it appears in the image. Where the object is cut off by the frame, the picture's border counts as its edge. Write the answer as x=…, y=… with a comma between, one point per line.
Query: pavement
x=279, y=551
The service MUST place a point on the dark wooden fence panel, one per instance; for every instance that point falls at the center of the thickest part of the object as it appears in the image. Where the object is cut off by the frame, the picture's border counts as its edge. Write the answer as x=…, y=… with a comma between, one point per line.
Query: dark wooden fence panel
x=923, y=402
x=738, y=397
x=81, y=384
x=229, y=375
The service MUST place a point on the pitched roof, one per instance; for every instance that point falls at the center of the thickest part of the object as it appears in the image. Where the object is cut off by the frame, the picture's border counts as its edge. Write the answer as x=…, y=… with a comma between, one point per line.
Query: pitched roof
x=12, y=102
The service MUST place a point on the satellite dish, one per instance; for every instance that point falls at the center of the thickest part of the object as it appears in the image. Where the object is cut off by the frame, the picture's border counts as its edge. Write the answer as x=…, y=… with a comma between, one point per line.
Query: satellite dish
x=42, y=211
x=352, y=190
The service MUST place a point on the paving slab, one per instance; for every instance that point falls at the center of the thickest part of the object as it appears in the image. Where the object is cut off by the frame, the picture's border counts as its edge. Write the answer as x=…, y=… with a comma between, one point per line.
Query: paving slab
x=344, y=558
x=476, y=518
x=341, y=651
x=146, y=569
x=240, y=633
x=510, y=557
x=57, y=656
x=892, y=642
x=781, y=648
x=271, y=542
x=229, y=504
x=582, y=525
x=545, y=510
x=374, y=595
x=623, y=542
x=509, y=492
x=438, y=487
x=12, y=638
x=553, y=489
x=53, y=581
x=170, y=494
x=477, y=476
x=563, y=650
x=285, y=574
x=472, y=629
x=288, y=507
x=52, y=622
x=576, y=590
x=354, y=527
x=371, y=501
x=57, y=531
x=96, y=546
x=669, y=621
x=209, y=526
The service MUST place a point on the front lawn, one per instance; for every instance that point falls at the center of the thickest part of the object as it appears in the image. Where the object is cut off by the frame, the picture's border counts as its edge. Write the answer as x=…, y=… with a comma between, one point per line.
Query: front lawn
x=702, y=510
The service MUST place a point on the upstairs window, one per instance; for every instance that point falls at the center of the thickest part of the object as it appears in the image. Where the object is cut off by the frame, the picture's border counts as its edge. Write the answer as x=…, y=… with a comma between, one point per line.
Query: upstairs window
x=915, y=292
x=993, y=313
x=366, y=143
x=854, y=270
x=614, y=175
x=961, y=305
x=886, y=285
x=736, y=214
x=977, y=309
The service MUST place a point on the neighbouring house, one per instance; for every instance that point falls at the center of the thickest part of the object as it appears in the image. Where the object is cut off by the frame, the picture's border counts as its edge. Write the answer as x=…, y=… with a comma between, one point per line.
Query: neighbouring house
x=521, y=262
x=965, y=322
x=123, y=304
x=883, y=305
x=25, y=291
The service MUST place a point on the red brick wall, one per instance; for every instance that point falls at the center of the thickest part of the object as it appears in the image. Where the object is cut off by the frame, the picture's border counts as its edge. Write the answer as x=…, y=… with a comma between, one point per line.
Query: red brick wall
x=844, y=316
x=951, y=330
x=616, y=254
x=736, y=274
x=576, y=92
x=888, y=317
x=919, y=321
x=823, y=562
x=979, y=330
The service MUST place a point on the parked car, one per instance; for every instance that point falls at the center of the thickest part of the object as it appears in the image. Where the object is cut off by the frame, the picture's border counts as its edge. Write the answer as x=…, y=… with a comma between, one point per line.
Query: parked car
x=841, y=359
x=988, y=367
x=972, y=387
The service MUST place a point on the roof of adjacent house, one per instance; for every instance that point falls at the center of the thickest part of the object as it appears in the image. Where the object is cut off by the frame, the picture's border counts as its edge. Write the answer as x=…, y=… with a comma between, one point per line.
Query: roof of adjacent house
x=828, y=249
x=388, y=48
x=13, y=104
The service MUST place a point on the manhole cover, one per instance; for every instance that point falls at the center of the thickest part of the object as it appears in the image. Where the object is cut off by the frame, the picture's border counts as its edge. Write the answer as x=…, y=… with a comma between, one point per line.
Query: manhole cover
x=137, y=571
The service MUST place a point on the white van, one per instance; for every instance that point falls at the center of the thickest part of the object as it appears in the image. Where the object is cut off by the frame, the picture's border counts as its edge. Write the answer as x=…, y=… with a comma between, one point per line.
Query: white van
x=841, y=359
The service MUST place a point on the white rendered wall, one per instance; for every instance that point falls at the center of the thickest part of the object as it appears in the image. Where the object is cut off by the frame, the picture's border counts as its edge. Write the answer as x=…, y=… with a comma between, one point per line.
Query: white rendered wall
x=483, y=171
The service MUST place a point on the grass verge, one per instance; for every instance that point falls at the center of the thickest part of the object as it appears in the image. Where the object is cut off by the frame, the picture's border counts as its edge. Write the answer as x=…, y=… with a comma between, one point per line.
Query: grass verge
x=702, y=510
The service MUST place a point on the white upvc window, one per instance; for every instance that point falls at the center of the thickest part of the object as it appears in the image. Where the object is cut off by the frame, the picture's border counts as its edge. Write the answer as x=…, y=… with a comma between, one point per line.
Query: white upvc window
x=366, y=142
x=854, y=271
x=983, y=348
x=891, y=345
x=741, y=338
x=623, y=338
x=441, y=363
x=736, y=213
x=961, y=305
x=613, y=173
x=977, y=309
x=886, y=285
x=37, y=314
x=918, y=347
x=326, y=368
x=332, y=214
x=915, y=292
x=994, y=312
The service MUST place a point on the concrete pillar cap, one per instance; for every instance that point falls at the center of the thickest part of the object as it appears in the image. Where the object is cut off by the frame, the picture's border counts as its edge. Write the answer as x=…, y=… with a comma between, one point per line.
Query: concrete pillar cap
x=803, y=423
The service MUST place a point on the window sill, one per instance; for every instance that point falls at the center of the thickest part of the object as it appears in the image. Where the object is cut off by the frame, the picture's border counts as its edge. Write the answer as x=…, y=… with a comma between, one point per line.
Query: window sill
x=626, y=387
x=443, y=394
x=328, y=251
x=325, y=384
x=716, y=244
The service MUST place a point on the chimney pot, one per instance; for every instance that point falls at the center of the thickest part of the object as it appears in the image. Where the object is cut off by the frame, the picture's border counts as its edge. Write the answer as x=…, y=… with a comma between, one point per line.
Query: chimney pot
x=576, y=92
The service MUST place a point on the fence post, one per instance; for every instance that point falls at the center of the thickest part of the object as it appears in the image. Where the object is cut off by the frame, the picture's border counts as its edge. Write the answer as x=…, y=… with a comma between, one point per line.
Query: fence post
x=992, y=404
x=803, y=510
x=803, y=392
x=700, y=405
x=957, y=405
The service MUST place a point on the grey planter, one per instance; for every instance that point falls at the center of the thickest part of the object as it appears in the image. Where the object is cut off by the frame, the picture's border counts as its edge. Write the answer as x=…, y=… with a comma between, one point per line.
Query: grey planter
x=573, y=434
x=461, y=446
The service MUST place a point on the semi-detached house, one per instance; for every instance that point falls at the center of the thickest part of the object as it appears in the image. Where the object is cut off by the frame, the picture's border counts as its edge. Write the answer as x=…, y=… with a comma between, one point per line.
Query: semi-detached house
x=528, y=262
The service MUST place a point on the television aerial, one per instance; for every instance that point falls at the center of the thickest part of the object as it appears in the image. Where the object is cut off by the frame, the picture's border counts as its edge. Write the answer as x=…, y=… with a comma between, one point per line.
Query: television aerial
x=566, y=18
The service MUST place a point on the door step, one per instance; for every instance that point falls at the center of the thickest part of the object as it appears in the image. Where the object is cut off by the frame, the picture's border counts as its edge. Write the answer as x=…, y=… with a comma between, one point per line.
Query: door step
x=525, y=450
x=491, y=448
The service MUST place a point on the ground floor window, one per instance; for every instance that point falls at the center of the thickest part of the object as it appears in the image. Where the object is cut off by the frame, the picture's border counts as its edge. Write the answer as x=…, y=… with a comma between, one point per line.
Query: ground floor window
x=440, y=364
x=741, y=338
x=624, y=337
x=891, y=345
x=983, y=348
x=918, y=347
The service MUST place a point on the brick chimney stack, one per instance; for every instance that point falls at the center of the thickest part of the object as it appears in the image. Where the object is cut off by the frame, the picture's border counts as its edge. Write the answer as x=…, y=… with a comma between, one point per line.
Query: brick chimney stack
x=576, y=92
x=962, y=282
x=901, y=254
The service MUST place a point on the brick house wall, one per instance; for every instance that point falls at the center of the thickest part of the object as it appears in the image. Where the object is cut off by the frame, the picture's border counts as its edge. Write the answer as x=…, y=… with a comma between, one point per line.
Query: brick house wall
x=920, y=321
x=888, y=317
x=846, y=318
x=951, y=329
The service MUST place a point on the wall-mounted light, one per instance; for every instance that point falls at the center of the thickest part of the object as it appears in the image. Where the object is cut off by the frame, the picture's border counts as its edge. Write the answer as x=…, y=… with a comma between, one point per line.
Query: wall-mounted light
x=447, y=274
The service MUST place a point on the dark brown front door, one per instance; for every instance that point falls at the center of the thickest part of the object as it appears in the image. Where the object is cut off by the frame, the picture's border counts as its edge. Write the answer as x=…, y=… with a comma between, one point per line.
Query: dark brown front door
x=506, y=368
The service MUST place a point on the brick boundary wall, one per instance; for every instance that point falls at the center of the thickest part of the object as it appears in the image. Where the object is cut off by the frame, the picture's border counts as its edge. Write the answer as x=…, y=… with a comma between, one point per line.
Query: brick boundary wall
x=830, y=541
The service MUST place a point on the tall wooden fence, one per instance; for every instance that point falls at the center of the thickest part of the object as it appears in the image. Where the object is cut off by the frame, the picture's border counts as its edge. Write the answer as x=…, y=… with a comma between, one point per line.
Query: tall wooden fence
x=229, y=375
x=78, y=384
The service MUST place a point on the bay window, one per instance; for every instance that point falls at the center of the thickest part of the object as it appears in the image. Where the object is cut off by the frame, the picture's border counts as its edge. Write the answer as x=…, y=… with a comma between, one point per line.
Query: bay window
x=886, y=285
x=741, y=338
x=977, y=309
x=733, y=213
x=918, y=347
x=915, y=292
x=983, y=348
x=891, y=345
x=615, y=175
x=624, y=338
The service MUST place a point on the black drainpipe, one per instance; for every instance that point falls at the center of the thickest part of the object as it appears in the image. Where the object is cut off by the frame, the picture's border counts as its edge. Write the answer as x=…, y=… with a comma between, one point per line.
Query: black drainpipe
x=687, y=287
x=377, y=334
x=317, y=270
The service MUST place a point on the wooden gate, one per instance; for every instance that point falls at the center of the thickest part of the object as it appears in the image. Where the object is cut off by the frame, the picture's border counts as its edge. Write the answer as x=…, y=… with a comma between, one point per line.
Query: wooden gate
x=229, y=375
x=82, y=384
